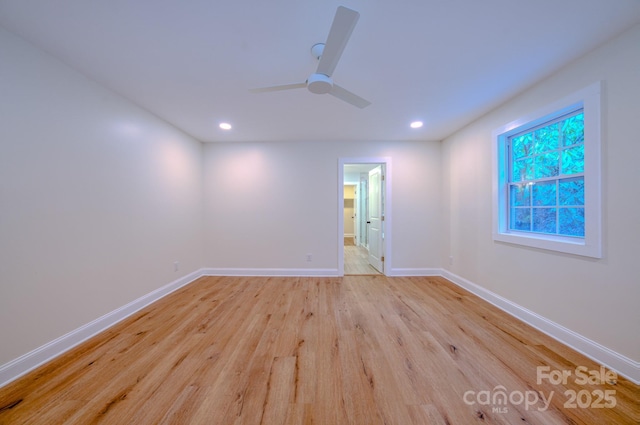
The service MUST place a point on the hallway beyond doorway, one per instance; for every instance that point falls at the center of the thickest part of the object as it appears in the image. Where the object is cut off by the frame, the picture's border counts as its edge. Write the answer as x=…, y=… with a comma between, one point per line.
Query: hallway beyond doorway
x=371, y=215
x=356, y=260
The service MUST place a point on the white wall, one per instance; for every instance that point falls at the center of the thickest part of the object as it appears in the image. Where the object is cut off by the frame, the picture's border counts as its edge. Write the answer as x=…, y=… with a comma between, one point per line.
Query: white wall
x=98, y=198
x=269, y=204
x=595, y=298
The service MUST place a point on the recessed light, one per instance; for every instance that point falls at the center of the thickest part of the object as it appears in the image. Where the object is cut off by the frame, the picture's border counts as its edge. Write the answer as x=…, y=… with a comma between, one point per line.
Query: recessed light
x=225, y=126
x=416, y=124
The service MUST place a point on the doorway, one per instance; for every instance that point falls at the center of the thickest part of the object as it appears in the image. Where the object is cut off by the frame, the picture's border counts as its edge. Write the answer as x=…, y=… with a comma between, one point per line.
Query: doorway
x=364, y=219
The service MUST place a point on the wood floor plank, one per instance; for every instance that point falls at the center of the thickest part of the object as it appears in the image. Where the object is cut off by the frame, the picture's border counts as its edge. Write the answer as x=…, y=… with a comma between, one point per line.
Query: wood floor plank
x=280, y=390
x=314, y=350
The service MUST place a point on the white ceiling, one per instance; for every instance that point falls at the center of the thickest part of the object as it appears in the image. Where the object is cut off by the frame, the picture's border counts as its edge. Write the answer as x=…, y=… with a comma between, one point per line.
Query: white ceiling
x=192, y=62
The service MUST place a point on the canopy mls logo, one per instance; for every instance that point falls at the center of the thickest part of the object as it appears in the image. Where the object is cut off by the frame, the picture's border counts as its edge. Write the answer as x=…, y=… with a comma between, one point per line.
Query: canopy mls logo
x=499, y=398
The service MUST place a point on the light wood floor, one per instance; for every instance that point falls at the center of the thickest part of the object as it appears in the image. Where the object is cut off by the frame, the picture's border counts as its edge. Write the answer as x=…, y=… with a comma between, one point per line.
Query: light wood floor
x=353, y=350
x=356, y=261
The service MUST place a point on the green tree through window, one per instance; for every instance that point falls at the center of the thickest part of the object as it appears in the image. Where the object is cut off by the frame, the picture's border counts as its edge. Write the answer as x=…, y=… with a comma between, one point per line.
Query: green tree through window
x=546, y=178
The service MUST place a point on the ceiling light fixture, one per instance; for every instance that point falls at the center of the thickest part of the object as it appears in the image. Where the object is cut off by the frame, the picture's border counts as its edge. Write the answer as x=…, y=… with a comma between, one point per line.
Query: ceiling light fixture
x=416, y=124
x=225, y=126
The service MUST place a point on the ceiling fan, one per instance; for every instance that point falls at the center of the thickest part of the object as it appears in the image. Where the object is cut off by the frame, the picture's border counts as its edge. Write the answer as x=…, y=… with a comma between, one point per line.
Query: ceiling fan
x=328, y=55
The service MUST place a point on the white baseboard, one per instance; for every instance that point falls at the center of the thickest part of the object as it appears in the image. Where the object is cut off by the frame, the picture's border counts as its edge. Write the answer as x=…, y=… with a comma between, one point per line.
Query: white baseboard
x=29, y=361
x=601, y=354
x=269, y=272
x=414, y=272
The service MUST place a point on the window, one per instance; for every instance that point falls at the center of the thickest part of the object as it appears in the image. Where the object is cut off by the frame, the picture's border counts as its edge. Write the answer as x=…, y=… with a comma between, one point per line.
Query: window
x=547, y=177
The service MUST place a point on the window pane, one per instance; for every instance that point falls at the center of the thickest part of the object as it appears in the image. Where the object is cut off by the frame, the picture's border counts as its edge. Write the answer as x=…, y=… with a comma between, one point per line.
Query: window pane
x=520, y=219
x=571, y=191
x=572, y=221
x=544, y=220
x=573, y=160
x=573, y=130
x=547, y=165
x=544, y=194
x=520, y=195
x=522, y=170
x=546, y=139
x=521, y=145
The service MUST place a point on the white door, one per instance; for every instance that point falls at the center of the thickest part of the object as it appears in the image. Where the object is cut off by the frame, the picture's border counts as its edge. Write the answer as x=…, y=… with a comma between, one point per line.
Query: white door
x=375, y=221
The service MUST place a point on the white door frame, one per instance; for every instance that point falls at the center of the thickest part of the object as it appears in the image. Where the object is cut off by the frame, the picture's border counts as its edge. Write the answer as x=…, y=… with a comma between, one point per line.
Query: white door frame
x=388, y=257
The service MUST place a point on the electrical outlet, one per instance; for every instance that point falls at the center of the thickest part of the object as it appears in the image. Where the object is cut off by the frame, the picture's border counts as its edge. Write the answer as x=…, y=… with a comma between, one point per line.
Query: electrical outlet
x=309, y=257
x=176, y=266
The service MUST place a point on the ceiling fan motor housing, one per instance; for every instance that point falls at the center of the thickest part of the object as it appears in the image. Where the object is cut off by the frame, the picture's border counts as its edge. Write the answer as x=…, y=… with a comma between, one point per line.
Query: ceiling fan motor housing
x=319, y=83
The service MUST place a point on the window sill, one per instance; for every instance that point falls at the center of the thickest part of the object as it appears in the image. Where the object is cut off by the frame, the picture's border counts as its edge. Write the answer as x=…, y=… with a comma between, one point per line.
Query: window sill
x=550, y=243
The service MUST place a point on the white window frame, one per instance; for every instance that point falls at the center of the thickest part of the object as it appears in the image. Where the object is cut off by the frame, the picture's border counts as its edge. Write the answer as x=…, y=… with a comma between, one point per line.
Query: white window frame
x=589, y=99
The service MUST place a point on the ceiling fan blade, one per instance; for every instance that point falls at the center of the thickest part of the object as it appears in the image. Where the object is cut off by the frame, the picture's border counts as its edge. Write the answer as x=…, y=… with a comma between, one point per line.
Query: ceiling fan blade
x=347, y=96
x=343, y=24
x=279, y=88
